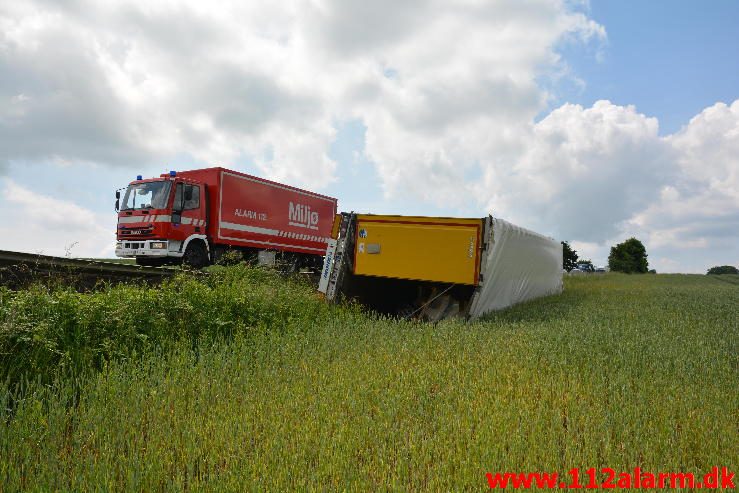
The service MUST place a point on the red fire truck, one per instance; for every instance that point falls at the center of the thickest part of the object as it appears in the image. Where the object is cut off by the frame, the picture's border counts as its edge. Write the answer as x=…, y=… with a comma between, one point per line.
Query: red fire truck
x=195, y=216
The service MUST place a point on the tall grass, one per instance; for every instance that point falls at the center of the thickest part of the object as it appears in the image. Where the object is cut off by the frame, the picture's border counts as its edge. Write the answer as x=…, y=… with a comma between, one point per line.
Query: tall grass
x=47, y=332
x=619, y=371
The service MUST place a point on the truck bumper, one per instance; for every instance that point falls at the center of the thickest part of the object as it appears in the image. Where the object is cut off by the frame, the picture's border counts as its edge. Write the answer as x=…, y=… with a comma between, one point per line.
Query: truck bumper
x=141, y=248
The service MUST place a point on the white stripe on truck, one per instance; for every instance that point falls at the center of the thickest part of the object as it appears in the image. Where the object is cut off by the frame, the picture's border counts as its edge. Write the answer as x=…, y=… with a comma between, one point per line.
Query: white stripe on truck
x=272, y=232
x=162, y=218
x=272, y=244
x=131, y=219
x=249, y=229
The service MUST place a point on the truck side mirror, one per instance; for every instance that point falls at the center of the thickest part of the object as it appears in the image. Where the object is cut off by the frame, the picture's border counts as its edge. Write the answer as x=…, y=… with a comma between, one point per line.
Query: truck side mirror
x=188, y=194
x=117, y=194
x=176, y=217
x=117, y=204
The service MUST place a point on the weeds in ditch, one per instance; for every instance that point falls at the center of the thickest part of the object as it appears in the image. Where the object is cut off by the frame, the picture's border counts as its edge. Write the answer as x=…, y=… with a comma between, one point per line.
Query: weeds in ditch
x=47, y=332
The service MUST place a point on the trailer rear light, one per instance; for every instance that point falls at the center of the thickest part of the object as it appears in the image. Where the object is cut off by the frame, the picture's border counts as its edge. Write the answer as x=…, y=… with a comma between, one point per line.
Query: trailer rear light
x=158, y=245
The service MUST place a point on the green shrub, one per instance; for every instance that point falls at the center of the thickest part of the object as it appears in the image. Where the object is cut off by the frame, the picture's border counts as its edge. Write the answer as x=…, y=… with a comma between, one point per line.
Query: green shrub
x=45, y=332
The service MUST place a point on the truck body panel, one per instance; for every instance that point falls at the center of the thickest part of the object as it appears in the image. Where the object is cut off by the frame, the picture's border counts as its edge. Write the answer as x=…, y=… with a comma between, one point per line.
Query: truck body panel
x=274, y=216
x=520, y=265
x=418, y=248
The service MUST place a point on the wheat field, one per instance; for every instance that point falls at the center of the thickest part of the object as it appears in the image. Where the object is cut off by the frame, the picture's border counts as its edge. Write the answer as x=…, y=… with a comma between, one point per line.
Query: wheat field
x=246, y=381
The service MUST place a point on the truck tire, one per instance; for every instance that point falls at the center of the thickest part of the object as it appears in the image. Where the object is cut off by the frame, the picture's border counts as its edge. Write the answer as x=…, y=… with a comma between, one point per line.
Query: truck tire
x=195, y=255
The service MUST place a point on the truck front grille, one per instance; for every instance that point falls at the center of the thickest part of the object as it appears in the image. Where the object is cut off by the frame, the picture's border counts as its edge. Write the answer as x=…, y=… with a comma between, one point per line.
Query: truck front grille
x=137, y=232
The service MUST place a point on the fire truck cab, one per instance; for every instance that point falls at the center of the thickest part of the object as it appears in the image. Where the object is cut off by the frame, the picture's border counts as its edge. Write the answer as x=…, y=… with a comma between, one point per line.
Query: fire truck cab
x=161, y=218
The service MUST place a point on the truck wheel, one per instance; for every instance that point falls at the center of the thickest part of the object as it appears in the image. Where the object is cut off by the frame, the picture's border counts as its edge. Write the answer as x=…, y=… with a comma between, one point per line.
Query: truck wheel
x=195, y=255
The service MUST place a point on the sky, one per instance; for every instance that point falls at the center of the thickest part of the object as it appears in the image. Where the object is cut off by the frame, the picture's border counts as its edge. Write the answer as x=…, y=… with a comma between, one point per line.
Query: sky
x=588, y=122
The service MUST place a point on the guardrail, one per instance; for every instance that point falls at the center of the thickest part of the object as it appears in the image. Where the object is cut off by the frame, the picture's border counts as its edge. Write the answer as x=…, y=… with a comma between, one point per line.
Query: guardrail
x=18, y=269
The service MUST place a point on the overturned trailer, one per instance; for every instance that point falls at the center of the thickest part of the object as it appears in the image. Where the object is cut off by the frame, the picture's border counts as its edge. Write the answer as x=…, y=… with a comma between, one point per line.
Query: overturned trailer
x=434, y=268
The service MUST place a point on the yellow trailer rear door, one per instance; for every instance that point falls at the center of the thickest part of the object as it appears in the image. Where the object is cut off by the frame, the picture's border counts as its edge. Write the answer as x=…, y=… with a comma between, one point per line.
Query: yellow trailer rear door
x=418, y=248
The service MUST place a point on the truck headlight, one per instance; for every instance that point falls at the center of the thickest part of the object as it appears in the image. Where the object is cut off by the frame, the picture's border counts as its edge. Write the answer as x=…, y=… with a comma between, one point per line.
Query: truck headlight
x=118, y=245
x=158, y=245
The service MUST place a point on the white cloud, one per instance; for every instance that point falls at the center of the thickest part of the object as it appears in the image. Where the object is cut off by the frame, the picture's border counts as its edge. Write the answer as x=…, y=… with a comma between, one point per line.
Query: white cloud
x=42, y=224
x=463, y=94
x=432, y=81
x=696, y=216
x=709, y=148
x=583, y=171
x=602, y=174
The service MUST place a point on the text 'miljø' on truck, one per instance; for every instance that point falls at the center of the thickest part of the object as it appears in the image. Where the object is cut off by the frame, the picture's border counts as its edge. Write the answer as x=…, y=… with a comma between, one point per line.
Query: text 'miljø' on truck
x=434, y=268
x=196, y=215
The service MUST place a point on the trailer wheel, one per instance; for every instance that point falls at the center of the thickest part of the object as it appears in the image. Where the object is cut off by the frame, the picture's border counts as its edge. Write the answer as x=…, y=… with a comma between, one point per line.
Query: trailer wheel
x=195, y=255
x=440, y=308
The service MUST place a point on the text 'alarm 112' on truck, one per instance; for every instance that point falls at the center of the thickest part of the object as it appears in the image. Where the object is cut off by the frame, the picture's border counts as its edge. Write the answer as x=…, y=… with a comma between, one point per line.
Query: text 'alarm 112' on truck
x=195, y=216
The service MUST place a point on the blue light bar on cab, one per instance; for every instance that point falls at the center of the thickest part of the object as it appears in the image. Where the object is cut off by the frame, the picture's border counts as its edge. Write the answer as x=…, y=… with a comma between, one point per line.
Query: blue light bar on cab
x=139, y=177
x=172, y=174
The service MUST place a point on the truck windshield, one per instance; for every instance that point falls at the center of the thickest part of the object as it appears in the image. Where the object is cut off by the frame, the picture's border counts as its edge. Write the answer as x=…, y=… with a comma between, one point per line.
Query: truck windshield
x=151, y=195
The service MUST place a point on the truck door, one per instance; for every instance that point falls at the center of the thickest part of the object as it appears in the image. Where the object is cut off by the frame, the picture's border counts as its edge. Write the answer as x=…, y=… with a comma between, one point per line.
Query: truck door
x=188, y=211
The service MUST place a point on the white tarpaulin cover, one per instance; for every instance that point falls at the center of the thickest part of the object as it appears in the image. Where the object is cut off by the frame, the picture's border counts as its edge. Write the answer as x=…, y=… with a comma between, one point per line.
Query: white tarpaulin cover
x=520, y=265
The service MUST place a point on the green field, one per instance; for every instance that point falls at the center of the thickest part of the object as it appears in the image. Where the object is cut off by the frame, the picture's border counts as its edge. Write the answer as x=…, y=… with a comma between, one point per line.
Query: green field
x=243, y=381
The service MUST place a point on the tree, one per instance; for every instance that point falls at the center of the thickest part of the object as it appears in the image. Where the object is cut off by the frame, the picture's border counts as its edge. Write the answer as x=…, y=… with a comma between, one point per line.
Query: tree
x=629, y=256
x=722, y=269
x=569, y=256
